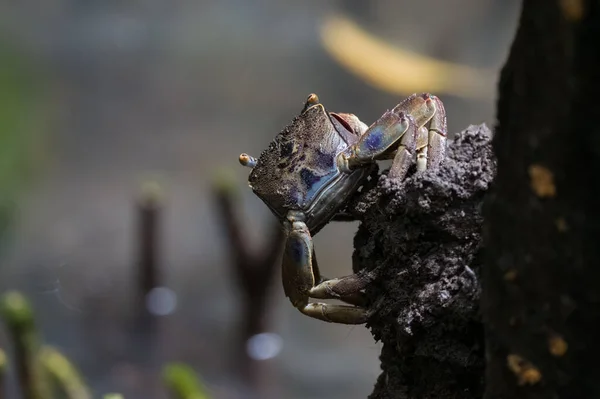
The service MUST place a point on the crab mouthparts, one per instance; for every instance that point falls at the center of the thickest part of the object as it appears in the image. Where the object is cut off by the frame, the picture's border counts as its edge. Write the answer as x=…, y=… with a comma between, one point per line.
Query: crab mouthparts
x=342, y=121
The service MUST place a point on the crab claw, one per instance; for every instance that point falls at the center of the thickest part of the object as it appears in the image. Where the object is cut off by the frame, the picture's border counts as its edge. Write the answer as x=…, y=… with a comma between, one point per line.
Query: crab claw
x=247, y=160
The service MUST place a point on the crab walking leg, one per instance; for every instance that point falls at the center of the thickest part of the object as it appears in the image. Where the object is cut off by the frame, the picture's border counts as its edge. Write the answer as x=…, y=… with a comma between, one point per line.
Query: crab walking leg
x=430, y=116
x=297, y=272
x=422, y=108
x=405, y=154
x=347, y=289
x=341, y=314
x=299, y=278
x=422, y=148
x=438, y=130
x=378, y=140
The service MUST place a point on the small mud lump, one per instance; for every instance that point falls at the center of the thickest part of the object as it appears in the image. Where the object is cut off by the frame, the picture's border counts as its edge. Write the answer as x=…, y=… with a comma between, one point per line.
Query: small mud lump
x=422, y=239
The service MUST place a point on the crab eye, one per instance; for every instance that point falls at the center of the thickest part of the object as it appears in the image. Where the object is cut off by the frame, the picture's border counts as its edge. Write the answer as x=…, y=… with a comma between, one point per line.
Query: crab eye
x=247, y=160
x=343, y=122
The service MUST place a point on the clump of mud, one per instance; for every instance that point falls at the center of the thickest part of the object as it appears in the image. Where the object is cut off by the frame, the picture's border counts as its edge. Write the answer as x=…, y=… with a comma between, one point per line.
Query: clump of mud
x=423, y=238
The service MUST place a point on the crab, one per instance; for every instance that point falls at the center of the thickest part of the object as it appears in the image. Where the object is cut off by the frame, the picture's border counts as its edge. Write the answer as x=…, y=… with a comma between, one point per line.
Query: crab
x=310, y=170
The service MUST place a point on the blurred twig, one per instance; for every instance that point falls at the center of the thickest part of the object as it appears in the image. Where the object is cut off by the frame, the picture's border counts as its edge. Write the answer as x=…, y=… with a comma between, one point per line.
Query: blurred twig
x=149, y=208
x=39, y=368
x=113, y=396
x=25, y=117
x=397, y=70
x=183, y=383
x=19, y=320
x=3, y=366
x=64, y=373
x=253, y=270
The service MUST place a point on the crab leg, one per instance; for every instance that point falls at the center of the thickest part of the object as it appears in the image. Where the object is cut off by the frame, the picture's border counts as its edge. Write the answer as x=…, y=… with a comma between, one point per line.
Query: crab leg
x=437, y=135
x=347, y=289
x=430, y=116
x=406, y=151
x=392, y=135
x=299, y=278
x=379, y=139
x=341, y=314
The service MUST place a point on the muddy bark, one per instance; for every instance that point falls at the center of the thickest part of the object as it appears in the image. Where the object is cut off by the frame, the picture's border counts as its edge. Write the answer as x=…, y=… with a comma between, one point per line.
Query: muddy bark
x=422, y=237
x=541, y=278
x=535, y=267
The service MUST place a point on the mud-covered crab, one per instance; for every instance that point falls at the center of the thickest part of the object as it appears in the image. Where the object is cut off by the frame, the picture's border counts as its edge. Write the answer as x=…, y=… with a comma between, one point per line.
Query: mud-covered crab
x=312, y=167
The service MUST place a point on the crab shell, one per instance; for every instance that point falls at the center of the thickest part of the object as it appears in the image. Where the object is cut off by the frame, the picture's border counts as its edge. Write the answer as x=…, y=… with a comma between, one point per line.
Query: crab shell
x=299, y=170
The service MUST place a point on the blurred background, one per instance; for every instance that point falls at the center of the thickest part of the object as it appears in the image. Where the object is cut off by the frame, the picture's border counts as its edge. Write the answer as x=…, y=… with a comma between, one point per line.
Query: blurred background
x=98, y=98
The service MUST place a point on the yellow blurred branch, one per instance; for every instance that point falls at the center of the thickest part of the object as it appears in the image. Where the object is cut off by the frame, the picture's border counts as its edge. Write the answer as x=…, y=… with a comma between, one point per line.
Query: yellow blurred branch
x=183, y=383
x=64, y=373
x=400, y=71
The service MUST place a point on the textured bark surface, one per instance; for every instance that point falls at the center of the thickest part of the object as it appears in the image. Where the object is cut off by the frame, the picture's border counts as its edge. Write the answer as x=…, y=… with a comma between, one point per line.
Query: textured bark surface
x=423, y=238
x=541, y=278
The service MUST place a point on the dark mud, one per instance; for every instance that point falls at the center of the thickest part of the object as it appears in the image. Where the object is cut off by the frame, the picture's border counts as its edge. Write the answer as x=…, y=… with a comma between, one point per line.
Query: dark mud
x=423, y=237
